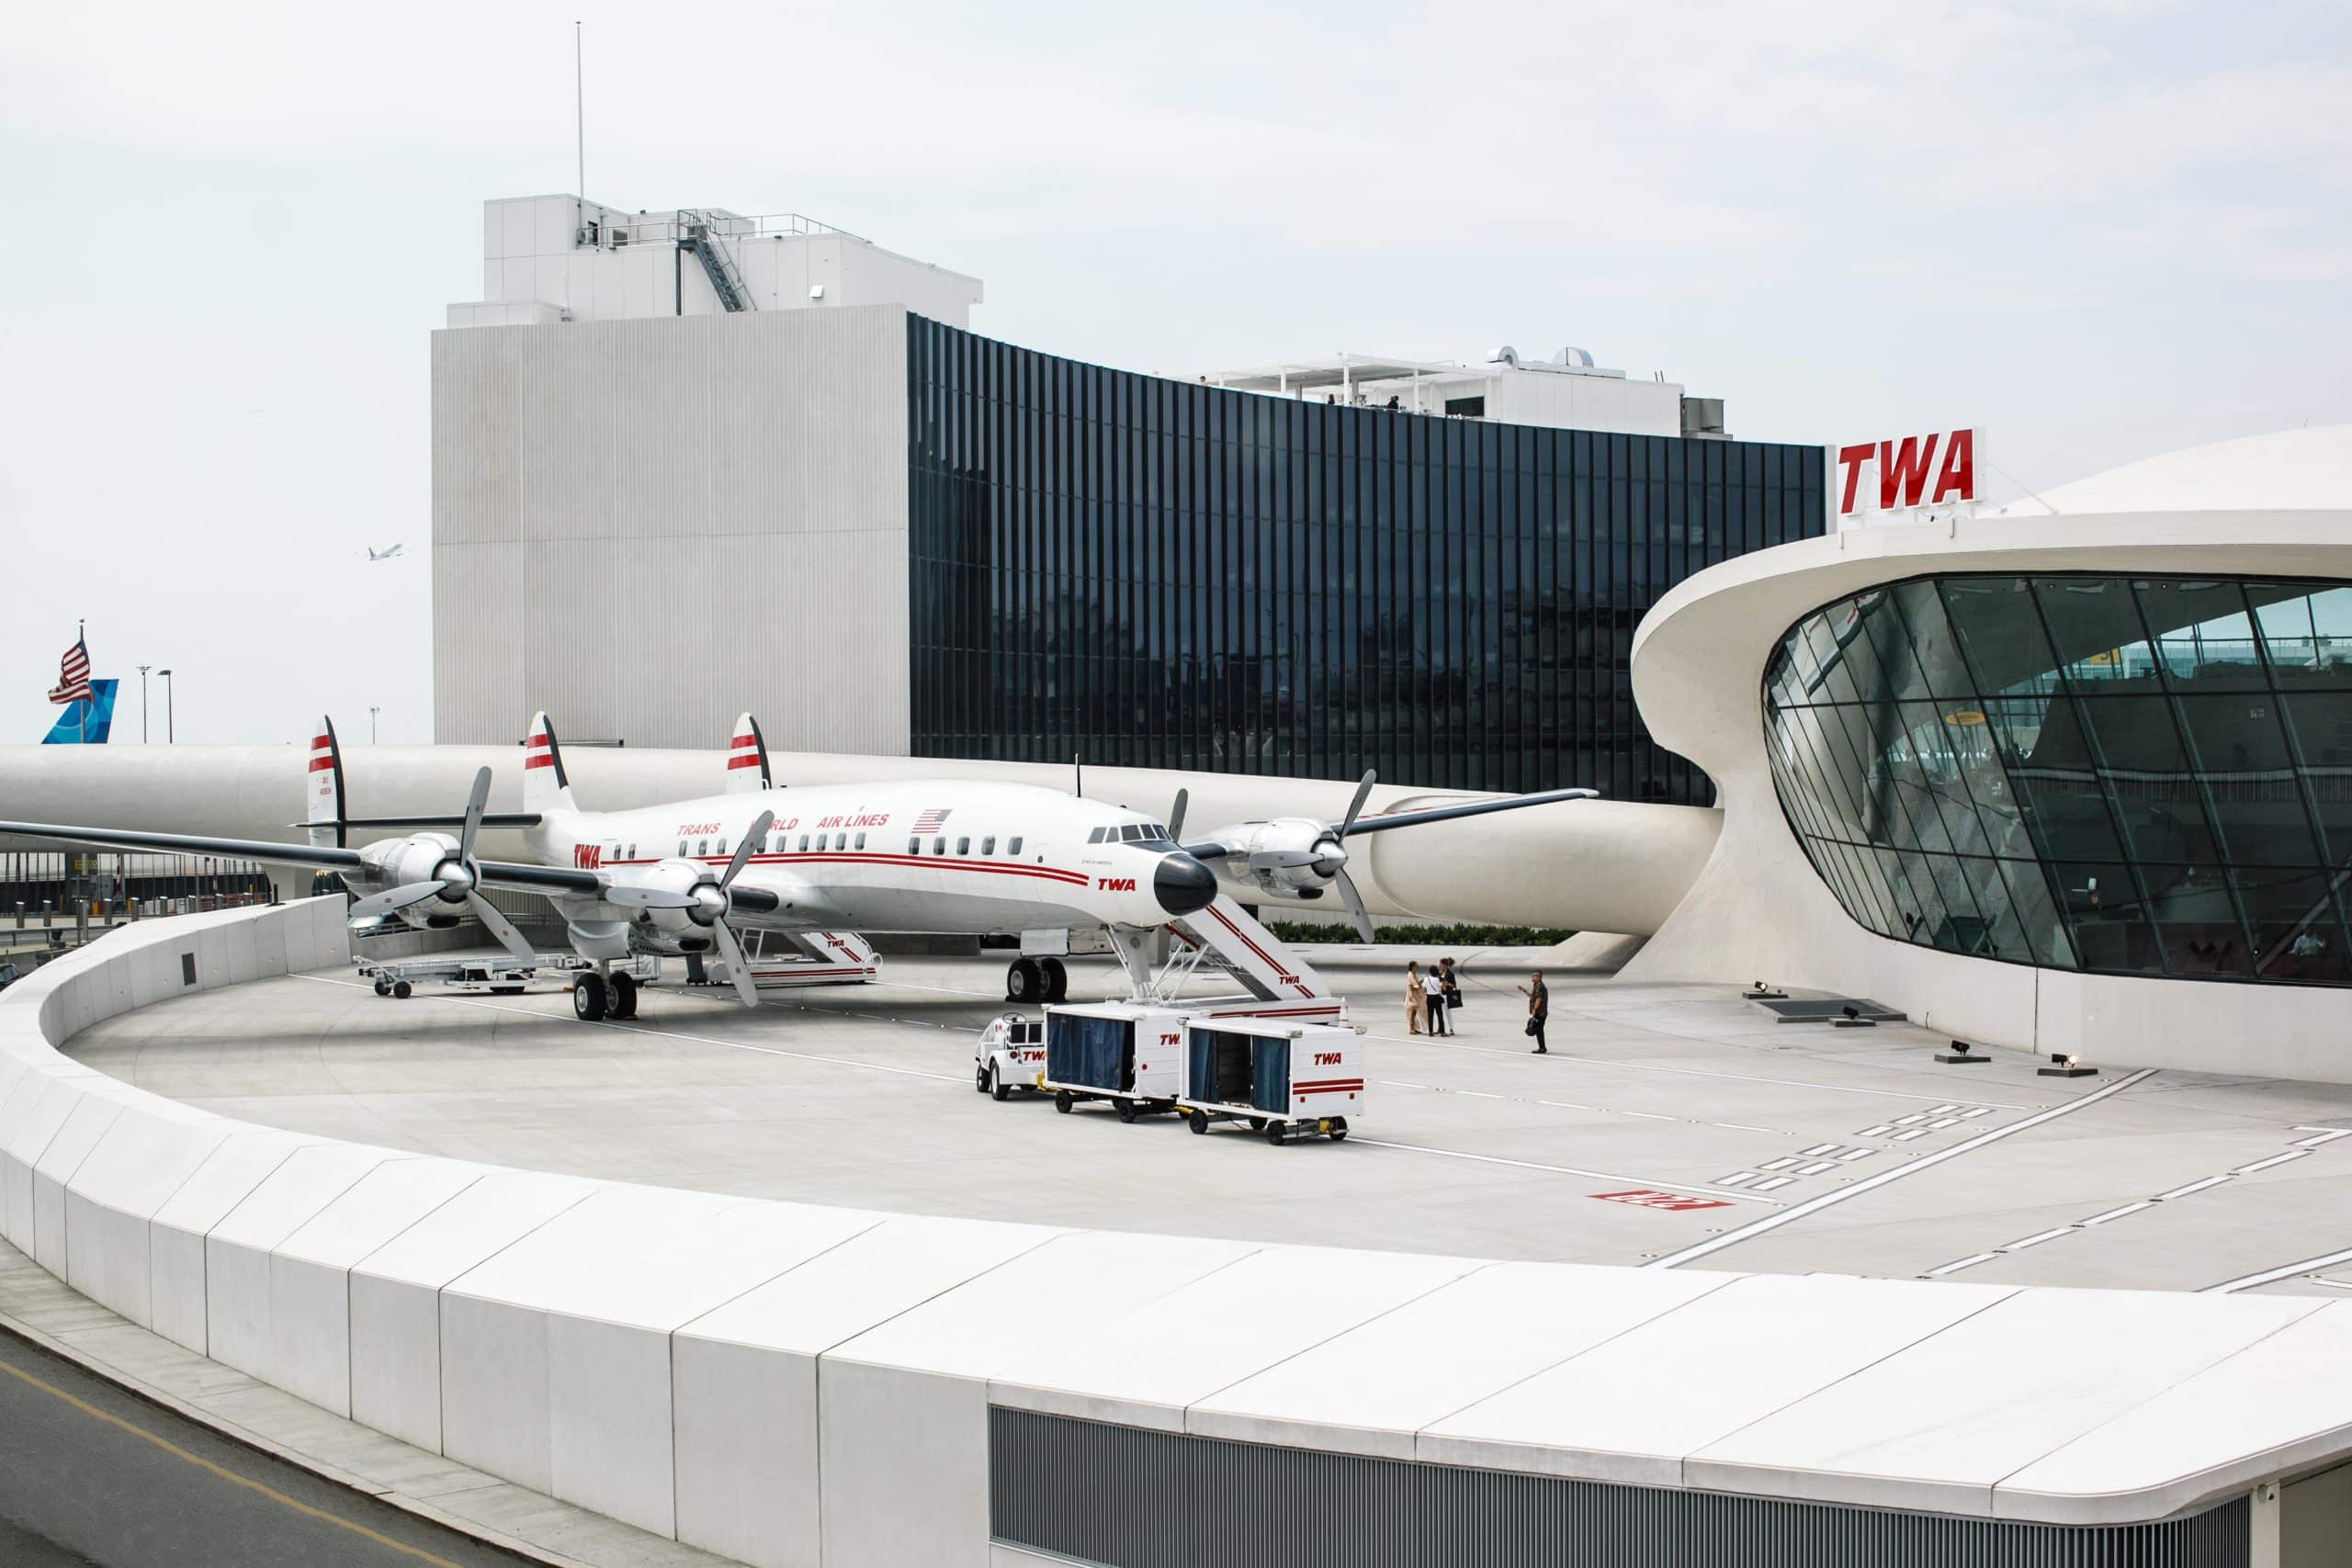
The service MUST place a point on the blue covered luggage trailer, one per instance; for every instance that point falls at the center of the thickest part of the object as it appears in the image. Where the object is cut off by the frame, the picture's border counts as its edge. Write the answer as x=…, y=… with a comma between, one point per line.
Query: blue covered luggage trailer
x=1131, y=1054
x=1285, y=1079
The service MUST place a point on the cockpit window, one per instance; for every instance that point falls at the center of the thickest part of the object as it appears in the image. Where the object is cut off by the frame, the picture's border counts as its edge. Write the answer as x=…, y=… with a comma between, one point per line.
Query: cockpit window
x=1095, y=837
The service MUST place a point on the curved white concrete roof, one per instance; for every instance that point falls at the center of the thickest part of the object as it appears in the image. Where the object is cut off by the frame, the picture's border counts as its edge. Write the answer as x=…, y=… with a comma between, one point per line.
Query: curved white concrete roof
x=656, y=1353
x=2284, y=471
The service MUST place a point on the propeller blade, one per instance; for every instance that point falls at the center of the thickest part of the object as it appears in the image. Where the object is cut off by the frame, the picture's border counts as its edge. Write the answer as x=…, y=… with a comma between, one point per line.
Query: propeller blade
x=474, y=804
x=752, y=839
x=1176, y=814
x=738, y=969
x=1354, y=901
x=499, y=925
x=393, y=898
x=1355, y=807
x=632, y=896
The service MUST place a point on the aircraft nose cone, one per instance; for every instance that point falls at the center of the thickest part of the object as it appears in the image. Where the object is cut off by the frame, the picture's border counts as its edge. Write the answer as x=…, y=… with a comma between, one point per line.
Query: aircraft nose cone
x=1183, y=884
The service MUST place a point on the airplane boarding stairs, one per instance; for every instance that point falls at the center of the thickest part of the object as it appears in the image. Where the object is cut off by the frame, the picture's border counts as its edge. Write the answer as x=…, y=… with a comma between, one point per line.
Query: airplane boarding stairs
x=1225, y=937
x=788, y=960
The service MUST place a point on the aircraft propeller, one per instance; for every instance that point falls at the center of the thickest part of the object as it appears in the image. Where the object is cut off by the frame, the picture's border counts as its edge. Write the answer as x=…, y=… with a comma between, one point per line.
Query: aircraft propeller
x=706, y=904
x=455, y=879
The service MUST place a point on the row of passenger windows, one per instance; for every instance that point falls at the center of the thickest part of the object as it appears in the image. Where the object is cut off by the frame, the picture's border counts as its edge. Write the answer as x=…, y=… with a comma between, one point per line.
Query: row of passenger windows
x=821, y=843
x=1130, y=834
x=964, y=846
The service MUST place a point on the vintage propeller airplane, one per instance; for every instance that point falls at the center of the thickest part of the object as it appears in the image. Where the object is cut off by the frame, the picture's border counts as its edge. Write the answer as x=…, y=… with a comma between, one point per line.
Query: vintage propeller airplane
x=954, y=856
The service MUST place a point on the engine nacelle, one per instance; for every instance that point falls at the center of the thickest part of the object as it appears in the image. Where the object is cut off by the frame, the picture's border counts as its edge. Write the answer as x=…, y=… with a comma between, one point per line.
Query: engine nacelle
x=1289, y=856
x=684, y=928
x=419, y=857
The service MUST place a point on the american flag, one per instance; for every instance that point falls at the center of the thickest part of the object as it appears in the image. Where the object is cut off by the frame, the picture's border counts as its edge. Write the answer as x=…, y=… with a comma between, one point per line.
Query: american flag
x=930, y=821
x=74, y=675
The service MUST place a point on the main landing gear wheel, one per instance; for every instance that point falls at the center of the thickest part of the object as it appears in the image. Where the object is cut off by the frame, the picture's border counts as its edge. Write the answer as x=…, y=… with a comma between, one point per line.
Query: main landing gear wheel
x=1056, y=979
x=1023, y=981
x=588, y=1000
x=1198, y=1121
x=624, y=1002
x=1062, y=1101
x=401, y=990
x=1127, y=1108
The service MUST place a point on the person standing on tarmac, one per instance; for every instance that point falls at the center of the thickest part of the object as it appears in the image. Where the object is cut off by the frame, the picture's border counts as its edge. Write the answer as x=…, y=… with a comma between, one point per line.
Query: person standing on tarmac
x=1417, y=1000
x=1539, y=1008
x=1433, y=984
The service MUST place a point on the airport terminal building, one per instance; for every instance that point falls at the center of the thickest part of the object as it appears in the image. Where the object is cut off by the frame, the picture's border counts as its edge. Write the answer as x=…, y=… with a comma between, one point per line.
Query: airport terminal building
x=887, y=534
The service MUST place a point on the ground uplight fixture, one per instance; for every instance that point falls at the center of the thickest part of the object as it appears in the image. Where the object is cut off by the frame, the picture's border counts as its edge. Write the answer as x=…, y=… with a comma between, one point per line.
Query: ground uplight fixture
x=1852, y=1018
x=2066, y=1064
x=1961, y=1051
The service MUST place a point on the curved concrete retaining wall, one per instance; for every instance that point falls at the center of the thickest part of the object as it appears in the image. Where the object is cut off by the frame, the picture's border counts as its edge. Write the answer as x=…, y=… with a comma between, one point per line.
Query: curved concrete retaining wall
x=794, y=1385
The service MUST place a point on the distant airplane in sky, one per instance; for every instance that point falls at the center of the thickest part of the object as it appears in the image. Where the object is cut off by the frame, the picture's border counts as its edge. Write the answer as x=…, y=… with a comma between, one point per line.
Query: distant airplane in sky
x=375, y=554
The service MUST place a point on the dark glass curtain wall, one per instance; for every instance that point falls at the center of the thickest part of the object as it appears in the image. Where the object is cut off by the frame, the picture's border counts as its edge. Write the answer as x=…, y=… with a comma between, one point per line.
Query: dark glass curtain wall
x=1156, y=573
x=2130, y=775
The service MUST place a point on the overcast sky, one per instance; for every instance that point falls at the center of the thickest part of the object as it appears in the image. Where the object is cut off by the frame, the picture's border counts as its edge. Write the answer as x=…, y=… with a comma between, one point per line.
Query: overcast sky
x=2096, y=231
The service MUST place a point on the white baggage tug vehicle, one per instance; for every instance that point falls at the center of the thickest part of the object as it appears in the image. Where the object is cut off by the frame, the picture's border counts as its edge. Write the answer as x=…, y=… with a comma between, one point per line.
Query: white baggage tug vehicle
x=1010, y=1055
x=1131, y=1053
x=1285, y=1079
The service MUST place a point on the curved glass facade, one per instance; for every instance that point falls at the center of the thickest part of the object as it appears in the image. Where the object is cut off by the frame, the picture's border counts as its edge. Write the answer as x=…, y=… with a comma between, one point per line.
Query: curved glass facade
x=2125, y=775
x=1162, y=574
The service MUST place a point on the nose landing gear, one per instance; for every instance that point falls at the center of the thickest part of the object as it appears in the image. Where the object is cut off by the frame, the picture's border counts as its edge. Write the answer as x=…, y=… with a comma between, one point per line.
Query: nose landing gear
x=1036, y=979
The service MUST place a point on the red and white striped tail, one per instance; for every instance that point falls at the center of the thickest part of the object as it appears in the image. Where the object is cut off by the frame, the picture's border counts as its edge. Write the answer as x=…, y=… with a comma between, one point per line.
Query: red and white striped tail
x=546, y=787
x=747, y=758
x=323, y=789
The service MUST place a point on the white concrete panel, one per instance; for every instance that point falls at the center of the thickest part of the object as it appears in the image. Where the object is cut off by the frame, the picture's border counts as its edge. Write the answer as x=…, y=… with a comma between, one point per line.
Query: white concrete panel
x=903, y=1409
x=100, y=1106
x=2281, y=1396
x=2069, y=1361
x=495, y=1389
x=237, y=1250
x=552, y=222
x=309, y=1351
x=1148, y=1366
x=25, y=1142
x=493, y=230
x=1630, y=1409
x=396, y=1295
x=176, y=1264
x=1371, y=1389
x=143, y=1159
x=608, y=1354
x=744, y=1377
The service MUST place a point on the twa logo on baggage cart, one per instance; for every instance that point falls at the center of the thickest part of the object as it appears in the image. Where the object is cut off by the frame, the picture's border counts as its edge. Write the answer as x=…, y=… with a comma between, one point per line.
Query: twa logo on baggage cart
x=1643, y=1198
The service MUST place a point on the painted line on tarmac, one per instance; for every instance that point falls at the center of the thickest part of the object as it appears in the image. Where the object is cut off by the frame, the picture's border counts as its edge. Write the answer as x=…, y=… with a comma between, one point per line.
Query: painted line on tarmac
x=672, y=1035
x=1569, y=1170
x=1871, y=1183
x=221, y=1472
x=1579, y=1105
x=1566, y=1057
x=2284, y=1271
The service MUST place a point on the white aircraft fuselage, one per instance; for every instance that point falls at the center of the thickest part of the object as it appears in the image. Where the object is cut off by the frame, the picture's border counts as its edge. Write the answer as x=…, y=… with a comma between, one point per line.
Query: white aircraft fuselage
x=954, y=856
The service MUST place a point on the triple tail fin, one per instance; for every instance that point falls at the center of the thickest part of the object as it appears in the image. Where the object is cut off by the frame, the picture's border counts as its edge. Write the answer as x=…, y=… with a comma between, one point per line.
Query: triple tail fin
x=546, y=786
x=747, y=759
x=324, y=789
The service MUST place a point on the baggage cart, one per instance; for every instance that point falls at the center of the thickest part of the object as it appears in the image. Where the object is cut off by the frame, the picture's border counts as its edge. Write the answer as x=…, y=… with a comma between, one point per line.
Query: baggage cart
x=1284, y=1079
x=1129, y=1053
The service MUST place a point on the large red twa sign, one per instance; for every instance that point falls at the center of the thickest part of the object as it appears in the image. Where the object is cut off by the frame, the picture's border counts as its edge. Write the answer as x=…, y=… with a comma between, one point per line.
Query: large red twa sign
x=1885, y=481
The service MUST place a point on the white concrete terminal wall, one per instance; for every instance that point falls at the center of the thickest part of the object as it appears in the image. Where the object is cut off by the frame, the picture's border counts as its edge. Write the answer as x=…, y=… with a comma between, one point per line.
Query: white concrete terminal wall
x=801, y=1385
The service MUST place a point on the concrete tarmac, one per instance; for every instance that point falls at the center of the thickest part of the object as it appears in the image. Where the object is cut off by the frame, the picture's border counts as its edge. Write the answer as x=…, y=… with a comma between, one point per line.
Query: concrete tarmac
x=1671, y=1124
x=91, y=1474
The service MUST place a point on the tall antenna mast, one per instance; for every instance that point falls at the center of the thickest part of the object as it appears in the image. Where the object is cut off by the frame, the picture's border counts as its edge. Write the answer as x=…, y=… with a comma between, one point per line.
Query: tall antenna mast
x=579, y=117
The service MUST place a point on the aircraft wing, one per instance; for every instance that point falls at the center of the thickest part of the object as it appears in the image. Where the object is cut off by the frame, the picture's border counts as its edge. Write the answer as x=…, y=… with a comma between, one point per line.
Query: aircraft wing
x=1466, y=809
x=495, y=874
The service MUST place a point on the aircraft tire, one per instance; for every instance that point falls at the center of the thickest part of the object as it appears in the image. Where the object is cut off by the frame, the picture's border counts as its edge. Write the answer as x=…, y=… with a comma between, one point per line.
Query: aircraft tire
x=624, y=1002
x=1023, y=981
x=588, y=998
x=1056, y=979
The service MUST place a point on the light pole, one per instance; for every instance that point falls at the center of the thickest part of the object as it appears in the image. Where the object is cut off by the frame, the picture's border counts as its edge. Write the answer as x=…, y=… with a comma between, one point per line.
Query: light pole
x=372, y=712
x=170, y=734
x=142, y=703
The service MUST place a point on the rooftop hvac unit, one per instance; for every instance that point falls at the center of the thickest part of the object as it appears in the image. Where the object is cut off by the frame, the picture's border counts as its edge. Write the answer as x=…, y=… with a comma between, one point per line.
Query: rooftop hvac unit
x=620, y=238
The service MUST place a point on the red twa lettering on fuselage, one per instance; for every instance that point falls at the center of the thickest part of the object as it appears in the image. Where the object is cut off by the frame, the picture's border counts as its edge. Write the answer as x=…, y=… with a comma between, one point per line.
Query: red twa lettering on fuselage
x=587, y=857
x=1114, y=885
